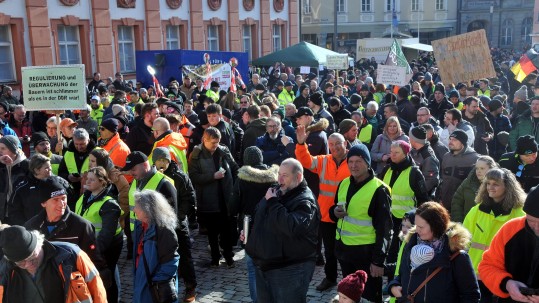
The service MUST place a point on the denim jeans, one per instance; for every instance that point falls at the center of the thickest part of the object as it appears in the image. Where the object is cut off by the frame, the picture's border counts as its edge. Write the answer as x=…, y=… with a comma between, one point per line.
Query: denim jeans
x=288, y=284
x=251, y=277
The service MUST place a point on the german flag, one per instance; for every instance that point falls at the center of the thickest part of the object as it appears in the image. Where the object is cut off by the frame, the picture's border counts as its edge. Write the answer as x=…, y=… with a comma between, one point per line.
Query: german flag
x=528, y=63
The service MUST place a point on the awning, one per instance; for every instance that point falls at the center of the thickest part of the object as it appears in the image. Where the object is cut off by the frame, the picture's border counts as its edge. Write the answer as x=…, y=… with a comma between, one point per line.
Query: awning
x=419, y=46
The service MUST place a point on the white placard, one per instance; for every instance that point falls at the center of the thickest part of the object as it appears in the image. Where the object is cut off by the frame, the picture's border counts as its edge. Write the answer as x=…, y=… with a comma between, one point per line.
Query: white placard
x=373, y=47
x=339, y=62
x=54, y=87
x=304, y=69
x=391, y=74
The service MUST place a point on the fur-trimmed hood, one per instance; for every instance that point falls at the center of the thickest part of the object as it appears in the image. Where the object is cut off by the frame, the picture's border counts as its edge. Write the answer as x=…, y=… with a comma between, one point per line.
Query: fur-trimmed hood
x=322, y=124
x=256, y=175
x=459, y=237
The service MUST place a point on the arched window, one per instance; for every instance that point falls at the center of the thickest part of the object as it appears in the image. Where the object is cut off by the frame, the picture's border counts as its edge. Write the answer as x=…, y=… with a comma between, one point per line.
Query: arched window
x=507, y=32
x=526, y=30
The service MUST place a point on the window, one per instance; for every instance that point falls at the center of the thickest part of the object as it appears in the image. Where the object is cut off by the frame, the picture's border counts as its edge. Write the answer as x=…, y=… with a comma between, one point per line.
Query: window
x=366, y=5
x=68, y=44
x=276, y=37
x=7, y=72
x=389, y=6
x=126, y=49
x=440, y=5
x=246, y=39
x=526, y=30
x=213, y=38
x=311, y=38
x=415, y=5
x=173, y=37
x=341, y=6
x=507, y=32
x=307, y=7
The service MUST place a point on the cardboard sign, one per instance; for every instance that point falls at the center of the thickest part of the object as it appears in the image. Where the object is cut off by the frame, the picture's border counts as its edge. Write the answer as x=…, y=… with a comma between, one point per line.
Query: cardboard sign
x=337, y=61
x=54, y=87
x=464, y=58
x=391, y=74
x=304, y=69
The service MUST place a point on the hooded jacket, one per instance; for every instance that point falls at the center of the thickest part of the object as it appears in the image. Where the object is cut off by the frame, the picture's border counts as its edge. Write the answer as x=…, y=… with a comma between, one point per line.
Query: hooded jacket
x=253, y=130
x=251, y=186
x=455, y=169
x=456, y=282
x=464, y=198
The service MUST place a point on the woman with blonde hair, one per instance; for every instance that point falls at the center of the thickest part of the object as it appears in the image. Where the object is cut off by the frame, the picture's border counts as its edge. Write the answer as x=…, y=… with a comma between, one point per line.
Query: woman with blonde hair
x=381, y=148
x=500, y=199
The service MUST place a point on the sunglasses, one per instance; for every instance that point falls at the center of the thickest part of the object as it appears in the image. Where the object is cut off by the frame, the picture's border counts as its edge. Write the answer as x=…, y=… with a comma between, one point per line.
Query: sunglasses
x=520, y=169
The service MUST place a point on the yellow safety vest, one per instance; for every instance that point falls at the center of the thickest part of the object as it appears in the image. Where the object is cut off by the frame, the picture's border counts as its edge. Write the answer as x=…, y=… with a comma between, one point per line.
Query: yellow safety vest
x=92, y=214
x=483, y=227
x=402, y=195
x=365, y=134
x=356, y=228
x=152, y=184
x=69, y=158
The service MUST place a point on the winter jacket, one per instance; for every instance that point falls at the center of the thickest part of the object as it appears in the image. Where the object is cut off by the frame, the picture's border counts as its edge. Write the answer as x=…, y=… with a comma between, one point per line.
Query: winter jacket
x=323, y=113
x=439, y=150
x=10, y=175
x=140, y=138
x=186, y=192
x=499, y=124
x=524, y=125
x=330, y=174
x=482, y=128
x=317, y=142
x=253, y=130
x=406, y=110
x=382, y=146
x=483, y=222
x=301, y=101
x=437, y=110
x=117, y=150
x=499, y=264
x=464, y=198
x=462, y=125
x=340, y=115
x=177, y=142
x=455, y=169
x=529, y=174
x=285, y=230
x=26, y=200
x=273, y=150
x=251, y=186
x=212, y=194
x=160, y=245
x=228, y=137
x=23, y=129
x=429, y=165
x=456, y=282
x=60, y=260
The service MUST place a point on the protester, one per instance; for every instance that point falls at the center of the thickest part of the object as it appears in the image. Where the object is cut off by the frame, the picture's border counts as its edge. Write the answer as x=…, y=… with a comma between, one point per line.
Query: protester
x=13, y=166
x=523, y=162
x=381, y=148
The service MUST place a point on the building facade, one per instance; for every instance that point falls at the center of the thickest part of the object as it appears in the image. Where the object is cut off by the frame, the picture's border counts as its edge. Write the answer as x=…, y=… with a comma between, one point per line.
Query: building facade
x=357, y=19
x=104, y=34
x=508, y=23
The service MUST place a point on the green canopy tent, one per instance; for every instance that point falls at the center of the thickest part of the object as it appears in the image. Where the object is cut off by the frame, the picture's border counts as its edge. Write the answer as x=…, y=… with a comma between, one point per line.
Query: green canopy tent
x=301, y=54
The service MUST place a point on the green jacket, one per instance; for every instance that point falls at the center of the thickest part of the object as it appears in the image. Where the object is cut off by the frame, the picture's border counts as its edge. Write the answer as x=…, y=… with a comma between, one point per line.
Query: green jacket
x=523, y=126
x=464, y=198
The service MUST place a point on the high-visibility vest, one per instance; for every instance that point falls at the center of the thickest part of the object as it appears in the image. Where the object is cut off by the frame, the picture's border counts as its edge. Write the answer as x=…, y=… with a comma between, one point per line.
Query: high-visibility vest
x=212, y=95
x=69, y=158
x=285, y=97
x=92, y=214
x=356, y=228
x=402, y=195
x=55, y=164
x=152, y=184
x=483, y=226
x=365, y=134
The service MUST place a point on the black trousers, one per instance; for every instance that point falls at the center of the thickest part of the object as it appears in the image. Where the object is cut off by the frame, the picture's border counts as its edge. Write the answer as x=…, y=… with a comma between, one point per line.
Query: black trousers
x=486, y=294
x=327, y=231
x=373, y=287
x=111, y=255
x=186, y=269
x=219, y=234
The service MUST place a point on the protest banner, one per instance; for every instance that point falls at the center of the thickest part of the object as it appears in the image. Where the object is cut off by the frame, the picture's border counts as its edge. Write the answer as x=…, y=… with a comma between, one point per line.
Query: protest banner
x=54, y=87
x=304, y=69
x=221, y=73
x=391, y=74
x=338, y=62
x=464, y=58
x=377, y=48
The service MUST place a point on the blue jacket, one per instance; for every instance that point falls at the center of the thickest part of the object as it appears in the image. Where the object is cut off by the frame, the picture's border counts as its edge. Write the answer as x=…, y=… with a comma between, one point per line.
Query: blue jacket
x=273, y=151
x=160, y=246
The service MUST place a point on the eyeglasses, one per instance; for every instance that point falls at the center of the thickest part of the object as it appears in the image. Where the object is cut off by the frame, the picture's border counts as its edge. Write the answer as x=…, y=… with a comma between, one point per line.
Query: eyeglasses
x=271, y=126
x=520, y=169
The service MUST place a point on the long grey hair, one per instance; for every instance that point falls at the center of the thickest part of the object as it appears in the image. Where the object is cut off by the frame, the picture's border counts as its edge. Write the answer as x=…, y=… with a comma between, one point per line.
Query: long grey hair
x=156, y=208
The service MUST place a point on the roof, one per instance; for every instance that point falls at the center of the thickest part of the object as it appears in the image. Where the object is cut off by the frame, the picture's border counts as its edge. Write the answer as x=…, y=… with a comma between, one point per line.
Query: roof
x=301, y=54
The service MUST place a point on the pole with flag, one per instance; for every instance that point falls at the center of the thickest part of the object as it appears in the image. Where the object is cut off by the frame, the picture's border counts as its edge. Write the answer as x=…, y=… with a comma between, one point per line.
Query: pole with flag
x=396, y=57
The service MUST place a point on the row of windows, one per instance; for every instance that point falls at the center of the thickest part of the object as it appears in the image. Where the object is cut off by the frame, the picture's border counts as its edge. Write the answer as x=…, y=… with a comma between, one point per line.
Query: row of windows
x=508, y=27
x=69, y=45
x=367, y=5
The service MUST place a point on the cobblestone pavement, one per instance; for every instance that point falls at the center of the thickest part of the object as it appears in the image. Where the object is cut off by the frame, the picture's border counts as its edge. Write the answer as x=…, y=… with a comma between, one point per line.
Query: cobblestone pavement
x=221, y=284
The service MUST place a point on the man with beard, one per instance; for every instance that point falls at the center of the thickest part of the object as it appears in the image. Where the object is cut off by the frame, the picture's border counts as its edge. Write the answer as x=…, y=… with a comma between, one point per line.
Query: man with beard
x=439, y=104
x=274, y=144
x=482, y=129
x=141, y=138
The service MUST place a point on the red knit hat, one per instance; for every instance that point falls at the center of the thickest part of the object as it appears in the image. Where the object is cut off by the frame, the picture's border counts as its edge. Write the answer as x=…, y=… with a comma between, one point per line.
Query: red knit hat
x=405, y=146
x=353, y=285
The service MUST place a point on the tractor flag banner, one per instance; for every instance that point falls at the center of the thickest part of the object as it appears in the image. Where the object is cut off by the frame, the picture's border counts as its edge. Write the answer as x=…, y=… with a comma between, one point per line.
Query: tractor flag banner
x=464, y=58
x=339, y=62
x=54, y=87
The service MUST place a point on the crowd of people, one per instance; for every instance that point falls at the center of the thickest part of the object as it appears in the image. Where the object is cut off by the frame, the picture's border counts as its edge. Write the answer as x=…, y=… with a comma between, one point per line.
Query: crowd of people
x=431, y=185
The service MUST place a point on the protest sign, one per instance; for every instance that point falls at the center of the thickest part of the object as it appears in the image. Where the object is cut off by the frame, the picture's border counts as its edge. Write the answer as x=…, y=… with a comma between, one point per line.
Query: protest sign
x=221, y=73
x=304, y=69
x=375, y=47
x=337, y=61
x=54, y=87
x=391, y=74
x=464, y=58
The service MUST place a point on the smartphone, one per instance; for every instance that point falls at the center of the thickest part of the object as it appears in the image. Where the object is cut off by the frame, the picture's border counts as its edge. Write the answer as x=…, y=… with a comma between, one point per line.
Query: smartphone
x=277, y=189
x=529, y=291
